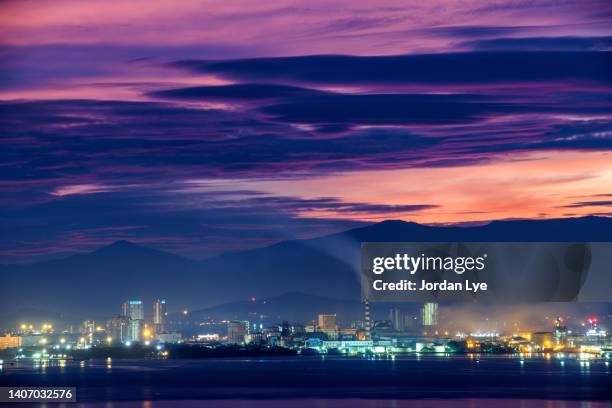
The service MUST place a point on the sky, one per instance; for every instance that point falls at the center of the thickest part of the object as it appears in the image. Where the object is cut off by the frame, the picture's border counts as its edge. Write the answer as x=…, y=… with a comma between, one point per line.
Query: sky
x=203, y=127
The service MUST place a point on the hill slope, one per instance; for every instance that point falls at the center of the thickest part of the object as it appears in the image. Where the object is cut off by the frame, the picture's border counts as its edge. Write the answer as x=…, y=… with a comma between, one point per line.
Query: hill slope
x=94, y=285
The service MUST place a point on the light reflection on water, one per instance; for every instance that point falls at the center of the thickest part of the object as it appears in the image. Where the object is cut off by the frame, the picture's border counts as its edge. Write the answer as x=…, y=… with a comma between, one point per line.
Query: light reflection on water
x=553, y=360
x=349, y=403
x=474, y=381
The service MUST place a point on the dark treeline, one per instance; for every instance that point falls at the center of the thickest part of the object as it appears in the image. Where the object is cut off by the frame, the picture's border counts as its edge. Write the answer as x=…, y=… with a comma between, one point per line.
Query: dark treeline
x=179, y=351
x=191, y=351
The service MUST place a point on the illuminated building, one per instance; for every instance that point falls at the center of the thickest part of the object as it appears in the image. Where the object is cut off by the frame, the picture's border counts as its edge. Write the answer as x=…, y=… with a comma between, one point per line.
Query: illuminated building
x=159, y=315
x=298, y=329
x=367, y=321
x=88, y=326
x=32, y=340
x=117, y=329
x=347, y=333
x=25, y=328
x=345, y=347
x=542, y=340
x=206, y=338
x=360, y=334
x=594, y=329
x=87, y=329
x=559, y=332
x=7, y=341
x=256, y=338
x=429, y=314
x=382, y=328
x=135, y=329
x=169, y=337
x=327, y=323
x=522, y=344
x=46, y=328
x=429, y=348
x=147, y=333
x=285, y=329
x=134, y=311
x=397, y=319
x=237, y=331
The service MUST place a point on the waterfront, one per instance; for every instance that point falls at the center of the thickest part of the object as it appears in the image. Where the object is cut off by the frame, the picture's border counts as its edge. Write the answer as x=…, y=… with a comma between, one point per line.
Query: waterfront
x=330, y=381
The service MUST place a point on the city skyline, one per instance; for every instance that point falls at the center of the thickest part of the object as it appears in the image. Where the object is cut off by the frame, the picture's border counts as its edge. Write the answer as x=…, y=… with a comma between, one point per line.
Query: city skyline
x=135, y=325
x=154, y=124
x=131, y=327
x=303, y=203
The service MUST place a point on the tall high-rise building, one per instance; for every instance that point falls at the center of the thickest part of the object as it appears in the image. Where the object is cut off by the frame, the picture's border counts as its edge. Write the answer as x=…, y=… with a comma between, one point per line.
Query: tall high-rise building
x=430, y=314
x=237, y=330
x=134, y=311
x=396, y=316
x=87, y=329
x=327, y=323
x=117, y=329
x=159, y=315
x=559, y=331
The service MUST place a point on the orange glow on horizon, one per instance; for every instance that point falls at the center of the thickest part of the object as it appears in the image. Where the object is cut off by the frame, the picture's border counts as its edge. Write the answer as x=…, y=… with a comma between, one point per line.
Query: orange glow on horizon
x=522, y=186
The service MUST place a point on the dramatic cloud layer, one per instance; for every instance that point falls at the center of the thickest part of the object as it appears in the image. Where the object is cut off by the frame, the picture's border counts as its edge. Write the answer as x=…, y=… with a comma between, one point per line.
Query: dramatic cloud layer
x=431, y=69
x=295, y=119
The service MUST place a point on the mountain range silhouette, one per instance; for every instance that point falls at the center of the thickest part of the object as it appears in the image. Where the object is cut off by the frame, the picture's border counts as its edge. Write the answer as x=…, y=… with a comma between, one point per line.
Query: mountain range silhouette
x=94, y=285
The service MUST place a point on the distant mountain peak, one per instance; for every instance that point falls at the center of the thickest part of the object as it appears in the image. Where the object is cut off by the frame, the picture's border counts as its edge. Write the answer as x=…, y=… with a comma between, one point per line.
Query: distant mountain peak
x=124, y=248
x=123, y=242
x=123, y=245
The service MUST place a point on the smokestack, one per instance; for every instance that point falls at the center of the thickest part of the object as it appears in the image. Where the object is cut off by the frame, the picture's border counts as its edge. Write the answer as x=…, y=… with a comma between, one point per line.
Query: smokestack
x=368, y=326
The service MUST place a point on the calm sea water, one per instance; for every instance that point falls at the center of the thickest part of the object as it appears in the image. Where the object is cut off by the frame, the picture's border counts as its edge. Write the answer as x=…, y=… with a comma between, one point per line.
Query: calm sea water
x=492, y=381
